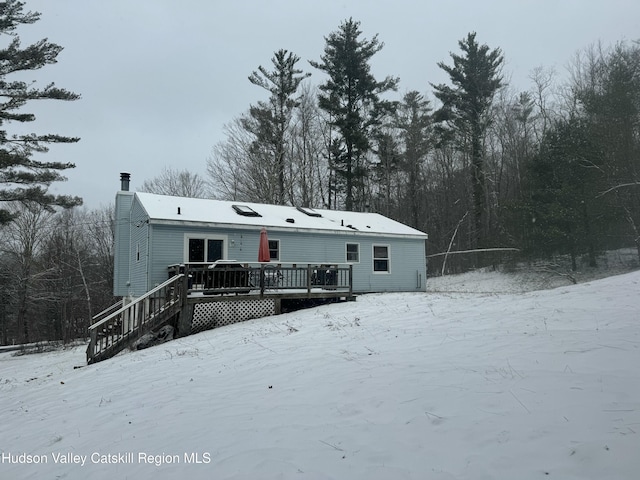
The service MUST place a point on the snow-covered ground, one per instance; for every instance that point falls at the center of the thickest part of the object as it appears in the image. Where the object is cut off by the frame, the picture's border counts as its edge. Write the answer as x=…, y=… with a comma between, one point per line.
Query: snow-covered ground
x=526, y=277
x=439, y=385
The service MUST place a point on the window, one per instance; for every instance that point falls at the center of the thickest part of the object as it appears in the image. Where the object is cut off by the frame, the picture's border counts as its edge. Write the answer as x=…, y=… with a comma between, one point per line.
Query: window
x=381, y=258
x=274, y=249
x=208, y=249
x=138, y=252
x=245, y=211
x=196, y=250
x=353, y=252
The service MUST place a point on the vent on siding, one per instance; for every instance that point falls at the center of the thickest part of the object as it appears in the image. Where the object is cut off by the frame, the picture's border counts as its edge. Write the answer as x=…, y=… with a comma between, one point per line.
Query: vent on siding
x=245, y=211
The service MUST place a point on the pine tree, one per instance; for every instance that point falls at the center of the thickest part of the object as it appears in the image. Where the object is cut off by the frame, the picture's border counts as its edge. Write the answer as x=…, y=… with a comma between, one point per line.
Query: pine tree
x=565, y=214
x=270, y=120
x=413, y=120
x=475, y=78
x=610, y=96
x=351, y=97
x=386, y=171
x=22, y=177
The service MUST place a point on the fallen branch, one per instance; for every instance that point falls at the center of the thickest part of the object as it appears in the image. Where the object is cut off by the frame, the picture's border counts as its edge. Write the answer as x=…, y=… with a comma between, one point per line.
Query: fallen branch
x=518, y=400
x=331, y=445
x=550, y=269
x=429, y=414
x=617, y=187
x=496, y=249
x=455, y=232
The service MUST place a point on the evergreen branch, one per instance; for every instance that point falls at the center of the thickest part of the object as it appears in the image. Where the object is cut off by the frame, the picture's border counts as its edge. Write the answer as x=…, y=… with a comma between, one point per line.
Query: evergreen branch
x=22, y=178
x=40, y=196
x=45, y=177
x=11, y=16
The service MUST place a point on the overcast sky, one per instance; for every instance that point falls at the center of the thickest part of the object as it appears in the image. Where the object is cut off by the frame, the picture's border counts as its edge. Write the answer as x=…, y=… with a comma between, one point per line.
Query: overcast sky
x=160, y=78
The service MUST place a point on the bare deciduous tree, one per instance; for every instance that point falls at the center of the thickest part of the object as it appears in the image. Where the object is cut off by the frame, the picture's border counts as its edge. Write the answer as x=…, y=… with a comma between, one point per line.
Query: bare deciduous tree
x=21, y=243
x=179, y=183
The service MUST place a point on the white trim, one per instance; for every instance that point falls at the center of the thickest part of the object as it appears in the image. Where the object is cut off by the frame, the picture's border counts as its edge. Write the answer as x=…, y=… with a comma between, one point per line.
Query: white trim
x=346, y=252
x=373, y=259
x=188, y=236
x=273, y=228
x=279, y=253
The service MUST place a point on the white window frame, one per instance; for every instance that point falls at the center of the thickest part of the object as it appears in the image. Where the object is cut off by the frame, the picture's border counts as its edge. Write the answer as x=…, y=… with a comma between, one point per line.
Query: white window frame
x=346, y=252
x=277, y=259
x=196, y=236
x=388, y=259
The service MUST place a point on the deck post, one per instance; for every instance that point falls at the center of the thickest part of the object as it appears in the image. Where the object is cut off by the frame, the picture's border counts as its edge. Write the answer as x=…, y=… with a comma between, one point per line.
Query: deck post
x=350, y=279
x=261, y=280
x=308, y=279
x=184, y=318
x=91, y=348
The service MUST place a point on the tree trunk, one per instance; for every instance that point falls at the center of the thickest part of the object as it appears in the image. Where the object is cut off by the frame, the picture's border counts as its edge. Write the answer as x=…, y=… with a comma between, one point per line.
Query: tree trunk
x=349, y=179
x=590, y=241
x=23, y=319
x=478, y=186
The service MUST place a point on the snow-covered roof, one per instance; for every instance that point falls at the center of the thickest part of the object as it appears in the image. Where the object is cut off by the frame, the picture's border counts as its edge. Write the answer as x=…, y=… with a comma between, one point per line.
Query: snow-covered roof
x=164, y=208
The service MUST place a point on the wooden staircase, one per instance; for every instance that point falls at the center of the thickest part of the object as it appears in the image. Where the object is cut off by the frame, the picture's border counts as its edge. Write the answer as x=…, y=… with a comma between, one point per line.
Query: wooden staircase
x=117, y=327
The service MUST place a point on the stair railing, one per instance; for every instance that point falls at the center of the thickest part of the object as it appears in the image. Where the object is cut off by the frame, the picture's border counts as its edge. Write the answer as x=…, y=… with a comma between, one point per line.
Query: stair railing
x=107, y=311
x=115, y=331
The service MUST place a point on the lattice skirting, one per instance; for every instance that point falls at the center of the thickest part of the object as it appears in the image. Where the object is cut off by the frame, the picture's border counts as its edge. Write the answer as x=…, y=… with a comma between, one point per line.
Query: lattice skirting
x=217, y=314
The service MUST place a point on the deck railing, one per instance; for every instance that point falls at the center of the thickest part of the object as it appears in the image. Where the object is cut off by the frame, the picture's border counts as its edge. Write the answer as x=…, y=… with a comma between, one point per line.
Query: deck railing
x=121, y=324
x=264, y=278
x=107, y=311
x=116, y=330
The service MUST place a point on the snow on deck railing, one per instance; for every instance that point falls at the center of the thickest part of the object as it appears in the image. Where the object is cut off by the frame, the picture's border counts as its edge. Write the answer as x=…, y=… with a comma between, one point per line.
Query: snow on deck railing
x=137, y=300
x=107, y=311
x=111, y=334
x=243, y=277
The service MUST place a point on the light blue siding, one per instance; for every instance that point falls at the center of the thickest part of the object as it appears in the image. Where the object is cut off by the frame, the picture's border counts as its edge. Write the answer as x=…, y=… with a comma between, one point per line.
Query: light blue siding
x=152, y=247
x=407, y=256
x=140, y=252
x=122, y=253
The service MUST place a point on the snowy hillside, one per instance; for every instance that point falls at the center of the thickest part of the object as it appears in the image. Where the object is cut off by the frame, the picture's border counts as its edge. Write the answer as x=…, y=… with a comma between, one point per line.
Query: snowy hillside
x=533, y=385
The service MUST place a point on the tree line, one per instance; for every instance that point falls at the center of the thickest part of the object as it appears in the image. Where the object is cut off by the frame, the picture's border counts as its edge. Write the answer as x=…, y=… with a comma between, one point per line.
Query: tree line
x=56, y=261
x=553, y=170
x=56, y=272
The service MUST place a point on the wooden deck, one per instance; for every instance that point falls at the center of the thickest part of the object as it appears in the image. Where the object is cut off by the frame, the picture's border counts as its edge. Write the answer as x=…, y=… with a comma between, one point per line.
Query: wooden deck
x=225, y=278
x=173, y=302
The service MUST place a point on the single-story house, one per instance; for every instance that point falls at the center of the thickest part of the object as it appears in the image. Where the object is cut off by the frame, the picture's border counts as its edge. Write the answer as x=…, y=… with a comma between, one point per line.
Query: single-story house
x=153, y=232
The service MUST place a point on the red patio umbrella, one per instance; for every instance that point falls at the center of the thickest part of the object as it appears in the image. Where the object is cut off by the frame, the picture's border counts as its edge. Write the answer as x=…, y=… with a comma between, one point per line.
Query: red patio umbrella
x=263, y=249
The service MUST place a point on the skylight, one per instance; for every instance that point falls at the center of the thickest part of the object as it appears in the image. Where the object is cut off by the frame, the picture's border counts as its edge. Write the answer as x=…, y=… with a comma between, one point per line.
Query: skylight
x=309, y=211
x=245, y=211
